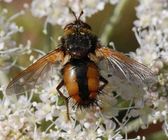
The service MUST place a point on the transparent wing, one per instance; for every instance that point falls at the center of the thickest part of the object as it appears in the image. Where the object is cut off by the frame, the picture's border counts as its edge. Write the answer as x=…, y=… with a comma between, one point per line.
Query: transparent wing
x=119, y=65
x=125, y=76
x=35, y=74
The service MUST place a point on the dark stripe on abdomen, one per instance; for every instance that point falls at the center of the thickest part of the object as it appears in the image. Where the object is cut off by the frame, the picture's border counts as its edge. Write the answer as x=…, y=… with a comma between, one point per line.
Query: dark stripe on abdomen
x=81, y=77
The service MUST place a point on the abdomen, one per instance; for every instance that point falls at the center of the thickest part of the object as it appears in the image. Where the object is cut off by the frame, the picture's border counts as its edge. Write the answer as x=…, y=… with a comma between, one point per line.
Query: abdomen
x=81, y=78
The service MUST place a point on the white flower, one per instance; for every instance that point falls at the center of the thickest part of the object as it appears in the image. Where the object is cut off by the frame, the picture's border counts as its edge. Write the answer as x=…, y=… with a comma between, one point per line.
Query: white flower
x=39, y=8
x=57, y=12
x=4, y=109
x=151, y=32
x=8, y=46
x=17, y=119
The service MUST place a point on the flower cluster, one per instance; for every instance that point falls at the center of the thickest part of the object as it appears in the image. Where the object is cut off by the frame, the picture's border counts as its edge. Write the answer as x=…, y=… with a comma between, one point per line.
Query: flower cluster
x=8, y=46
x=46, y=118
x=16, y=122
x=57, y=12
x=151, y=31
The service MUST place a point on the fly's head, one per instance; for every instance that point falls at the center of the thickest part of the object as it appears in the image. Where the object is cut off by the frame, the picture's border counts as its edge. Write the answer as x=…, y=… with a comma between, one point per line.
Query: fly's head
x=78, y=39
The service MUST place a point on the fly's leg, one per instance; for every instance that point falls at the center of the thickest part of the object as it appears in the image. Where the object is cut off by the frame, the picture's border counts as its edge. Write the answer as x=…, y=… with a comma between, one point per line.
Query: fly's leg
x=105, y=82
x=61, y=84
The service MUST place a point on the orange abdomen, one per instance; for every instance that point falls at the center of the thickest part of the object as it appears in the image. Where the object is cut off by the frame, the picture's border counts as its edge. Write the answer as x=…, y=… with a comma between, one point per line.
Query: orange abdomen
x=81, y=78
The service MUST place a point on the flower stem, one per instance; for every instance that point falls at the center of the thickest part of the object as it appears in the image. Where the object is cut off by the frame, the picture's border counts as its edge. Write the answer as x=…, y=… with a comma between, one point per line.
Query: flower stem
x=114, y=19
x=3, y=80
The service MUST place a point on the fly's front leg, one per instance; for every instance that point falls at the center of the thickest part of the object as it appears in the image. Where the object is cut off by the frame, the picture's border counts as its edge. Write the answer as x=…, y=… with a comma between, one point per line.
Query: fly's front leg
x=61, y=84
x=105, y=82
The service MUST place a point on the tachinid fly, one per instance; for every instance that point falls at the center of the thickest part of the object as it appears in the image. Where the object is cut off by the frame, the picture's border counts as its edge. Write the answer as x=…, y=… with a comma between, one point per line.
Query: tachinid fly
x=79, y=54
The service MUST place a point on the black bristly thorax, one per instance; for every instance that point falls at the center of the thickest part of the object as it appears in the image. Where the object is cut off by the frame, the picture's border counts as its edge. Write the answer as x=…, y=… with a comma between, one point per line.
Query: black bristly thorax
x=80, y=45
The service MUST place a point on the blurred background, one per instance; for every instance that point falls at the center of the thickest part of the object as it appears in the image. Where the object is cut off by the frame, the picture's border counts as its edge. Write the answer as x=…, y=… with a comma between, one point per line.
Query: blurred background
x=121, y=34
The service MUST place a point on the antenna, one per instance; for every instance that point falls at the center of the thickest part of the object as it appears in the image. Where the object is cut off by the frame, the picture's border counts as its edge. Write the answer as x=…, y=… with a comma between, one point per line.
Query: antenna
x=76, y=18
x=80, y=15
x=71, y=11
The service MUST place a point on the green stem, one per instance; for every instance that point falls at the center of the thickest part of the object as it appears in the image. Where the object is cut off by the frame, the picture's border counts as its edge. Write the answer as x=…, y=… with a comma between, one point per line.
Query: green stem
x=114, y=19
x=3, y=80
x=49, y=33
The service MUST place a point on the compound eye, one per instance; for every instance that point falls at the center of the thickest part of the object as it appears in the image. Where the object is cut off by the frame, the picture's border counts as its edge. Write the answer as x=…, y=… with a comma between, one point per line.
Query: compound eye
x=87, y=26
x=68, y=26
